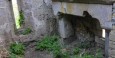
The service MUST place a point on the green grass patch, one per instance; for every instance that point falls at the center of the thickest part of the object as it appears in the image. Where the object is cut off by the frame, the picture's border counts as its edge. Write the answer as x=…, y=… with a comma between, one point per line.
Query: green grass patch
x=51, y=43
x=20, y=20
x=16, y=50
x=26, y=31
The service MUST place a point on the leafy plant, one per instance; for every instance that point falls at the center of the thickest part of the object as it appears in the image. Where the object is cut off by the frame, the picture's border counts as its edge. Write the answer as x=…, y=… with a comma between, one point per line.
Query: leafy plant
x=65, y=55
x=88, y=56
x=99, y=54
x=21, y=18
x=12, y=55
x=48, y=43
x=77, y=50
x=51, y=43
x=26, y=31
x=17, y=48
x=85, y=45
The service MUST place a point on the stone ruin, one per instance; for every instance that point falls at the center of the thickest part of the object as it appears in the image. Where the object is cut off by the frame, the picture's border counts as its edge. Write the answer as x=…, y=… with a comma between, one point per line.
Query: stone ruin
x=40, y=16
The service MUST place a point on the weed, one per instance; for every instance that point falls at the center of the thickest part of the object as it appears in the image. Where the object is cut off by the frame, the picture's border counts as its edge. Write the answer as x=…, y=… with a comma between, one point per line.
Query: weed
x=21, y=18
x=85, y=45
x=48, y=43
x=26, y=31
x=99, y=54
x=77, y=50
x=12, y=55
x=51, y=44
x=88, y=56
x=17, y=48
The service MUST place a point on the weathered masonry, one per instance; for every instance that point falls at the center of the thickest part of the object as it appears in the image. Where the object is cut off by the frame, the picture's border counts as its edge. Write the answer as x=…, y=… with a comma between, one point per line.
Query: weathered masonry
x=101, y=10
x=40, y=17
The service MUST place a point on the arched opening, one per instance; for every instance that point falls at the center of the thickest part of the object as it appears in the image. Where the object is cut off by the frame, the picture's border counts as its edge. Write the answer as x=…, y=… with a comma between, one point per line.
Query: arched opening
x=80, y=27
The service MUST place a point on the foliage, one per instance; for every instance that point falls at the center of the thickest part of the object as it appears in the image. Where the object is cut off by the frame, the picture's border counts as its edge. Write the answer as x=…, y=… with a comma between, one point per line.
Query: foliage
x=88, y=56
x=12, y=55
x=51, y=43
x=26, y=31
x=17, y=48
x=48, y=43
x=21, y=18
x=62, y=54
x=99, y=54
x=85, y=45
x=65, y=55
x=77, y=50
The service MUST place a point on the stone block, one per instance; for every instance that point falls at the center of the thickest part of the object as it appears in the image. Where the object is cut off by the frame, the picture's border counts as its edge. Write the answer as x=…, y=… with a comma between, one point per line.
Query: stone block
x=112, y=52
x=101, y=12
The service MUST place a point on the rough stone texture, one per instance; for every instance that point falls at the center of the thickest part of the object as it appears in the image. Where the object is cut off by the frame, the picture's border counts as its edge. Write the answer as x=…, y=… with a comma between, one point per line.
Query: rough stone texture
x=73, y=27
x=101, y=12
x=39, y=17
x=112, y=35
x=87, y=1
x=112, y=43
x=6, y=21
x=6, y=27
x=31, y=52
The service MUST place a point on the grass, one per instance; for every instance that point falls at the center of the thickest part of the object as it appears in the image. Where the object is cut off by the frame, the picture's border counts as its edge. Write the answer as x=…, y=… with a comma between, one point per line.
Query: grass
x=77, y=51
x=26, y=31
x=51, y=43
x=16, y=50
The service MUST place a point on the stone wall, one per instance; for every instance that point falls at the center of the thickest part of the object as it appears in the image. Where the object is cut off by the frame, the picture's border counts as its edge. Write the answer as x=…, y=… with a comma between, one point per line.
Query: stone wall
x=39, y=17
x=112, y=36
x=87, y=1
x=6, y=17
x=6, y=26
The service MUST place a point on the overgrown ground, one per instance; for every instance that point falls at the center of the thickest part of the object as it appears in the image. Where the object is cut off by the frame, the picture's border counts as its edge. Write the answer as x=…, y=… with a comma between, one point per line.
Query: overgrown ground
x=51, y=47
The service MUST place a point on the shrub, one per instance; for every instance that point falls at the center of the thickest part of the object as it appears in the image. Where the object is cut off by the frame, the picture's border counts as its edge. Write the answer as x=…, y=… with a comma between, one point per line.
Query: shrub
x=17, y=48
x=26, y=31
x=99, y=54
x=77, y=50
x=48, y=43
x=88, y=56
x=12, y=55
x=51, y=44
x=21, y=18
x=85, y=45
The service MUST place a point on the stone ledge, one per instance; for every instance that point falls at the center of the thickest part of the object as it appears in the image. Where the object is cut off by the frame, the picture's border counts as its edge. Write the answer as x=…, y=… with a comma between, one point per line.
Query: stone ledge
x=87, y=1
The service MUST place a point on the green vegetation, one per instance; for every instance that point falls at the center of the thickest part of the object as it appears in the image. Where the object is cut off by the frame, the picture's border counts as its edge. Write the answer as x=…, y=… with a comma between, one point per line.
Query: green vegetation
x=77, y=50
x=16, y=50
x=48, y=43
x=26, y=31
x=51, y=43
x=99, y=54
x=20, y=20
x=85, y=45
x=85, y=55
x=88, y=56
